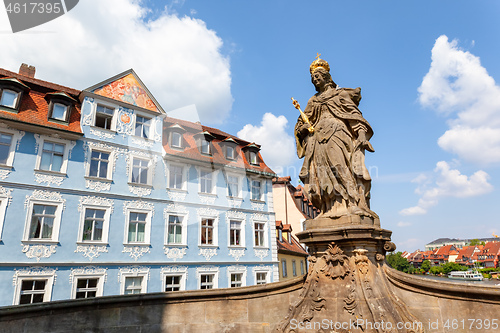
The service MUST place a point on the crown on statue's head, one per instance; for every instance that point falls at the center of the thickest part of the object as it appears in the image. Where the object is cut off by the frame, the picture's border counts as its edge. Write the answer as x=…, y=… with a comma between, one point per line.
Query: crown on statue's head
x=319, y=63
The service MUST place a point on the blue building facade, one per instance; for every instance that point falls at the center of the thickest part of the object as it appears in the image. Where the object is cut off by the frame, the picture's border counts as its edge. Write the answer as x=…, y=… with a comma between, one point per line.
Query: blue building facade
x=102, y=194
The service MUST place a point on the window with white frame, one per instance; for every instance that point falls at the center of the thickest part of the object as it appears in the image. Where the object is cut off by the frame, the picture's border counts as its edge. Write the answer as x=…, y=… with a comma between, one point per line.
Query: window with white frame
x=208, y=279
x=261, y=277
x=237, y=276
x=94, y=222
x=175, y=177
x=205, y=146
x=33, y=285
x=140, y=171
x=206, y=183
x=260, y=233
x=173, y=282
x=253, y=158
x=43, y=221
x=87, y=285
x=230, y=152
x=4, y=201
x=142, y=126
x=93, y=225
x=235, y=233
x=104, y=117
x=233, y=186
x=138, y=227
x=174, y=278
x=236, y=280
x=59, y=111
x=175, y=140
x=175, y=229
x=133, y=280
x=99, y=164
x=5, y=147
x=284, y=271
x=9, y=98
x=256, y=189
x=207, y=231
x=52, y=156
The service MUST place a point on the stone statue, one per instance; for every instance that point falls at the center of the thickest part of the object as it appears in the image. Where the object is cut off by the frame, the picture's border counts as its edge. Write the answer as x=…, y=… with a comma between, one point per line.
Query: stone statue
x=332, y=137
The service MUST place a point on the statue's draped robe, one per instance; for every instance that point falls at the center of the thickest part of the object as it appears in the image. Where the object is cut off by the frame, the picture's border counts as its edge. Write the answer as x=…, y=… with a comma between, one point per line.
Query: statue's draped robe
x=334, y=165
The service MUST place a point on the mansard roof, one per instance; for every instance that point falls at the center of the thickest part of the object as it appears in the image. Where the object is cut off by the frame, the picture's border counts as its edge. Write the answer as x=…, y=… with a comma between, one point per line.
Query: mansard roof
x=32, y=113
x=126, y=89
x=190, y=150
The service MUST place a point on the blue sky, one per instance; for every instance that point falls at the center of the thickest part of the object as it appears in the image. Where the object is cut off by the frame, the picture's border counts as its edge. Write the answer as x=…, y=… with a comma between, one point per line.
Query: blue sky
x=437, y=140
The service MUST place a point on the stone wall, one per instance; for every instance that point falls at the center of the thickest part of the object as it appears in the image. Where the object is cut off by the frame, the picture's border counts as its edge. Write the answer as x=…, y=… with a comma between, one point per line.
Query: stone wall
x=440, y=307
x=247, y=309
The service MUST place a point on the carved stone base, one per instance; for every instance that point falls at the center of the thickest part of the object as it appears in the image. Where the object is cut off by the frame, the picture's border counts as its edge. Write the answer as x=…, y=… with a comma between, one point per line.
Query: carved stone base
x=347, y=294
x=320, y=232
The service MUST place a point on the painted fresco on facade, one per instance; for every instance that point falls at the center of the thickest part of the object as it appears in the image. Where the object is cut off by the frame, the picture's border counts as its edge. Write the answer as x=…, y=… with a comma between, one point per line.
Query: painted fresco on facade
x=127, y=90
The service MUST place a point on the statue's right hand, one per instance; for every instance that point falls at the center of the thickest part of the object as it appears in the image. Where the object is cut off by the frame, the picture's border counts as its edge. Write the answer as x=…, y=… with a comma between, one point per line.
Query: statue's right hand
x=304, y=130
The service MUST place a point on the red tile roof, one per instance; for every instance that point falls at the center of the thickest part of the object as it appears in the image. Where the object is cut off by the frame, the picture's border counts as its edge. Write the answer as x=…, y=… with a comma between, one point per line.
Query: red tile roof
x=34, y=106
x=291, y=248
x=191, y=150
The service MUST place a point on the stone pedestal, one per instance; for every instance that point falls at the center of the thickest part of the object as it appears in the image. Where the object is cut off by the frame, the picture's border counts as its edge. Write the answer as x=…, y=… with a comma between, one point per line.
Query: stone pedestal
x=346, y=289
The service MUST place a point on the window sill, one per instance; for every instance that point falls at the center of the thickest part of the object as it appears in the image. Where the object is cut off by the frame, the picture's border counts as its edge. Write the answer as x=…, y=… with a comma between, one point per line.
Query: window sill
x=99, y=179
x=179, y=190
x=261, y=247
x=91, y=243
x=137, y=244
x=40, y=241
x=175, y=245
x=8, y=109
x=6, y=167
x=257, y=201
x=208, y=194
x=140, y=185
x=59, y=121
x=103, y=129
x=239, y=247
x=53, y=173
x=177, y=148
x=234, y=198
x=208, y=246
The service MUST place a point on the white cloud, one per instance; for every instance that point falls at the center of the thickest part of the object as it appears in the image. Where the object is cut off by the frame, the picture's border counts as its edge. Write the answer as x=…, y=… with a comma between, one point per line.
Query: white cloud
x=403, y=224
x=460, y=88
x=178, y=58
x=449, y=183
x=278, y=147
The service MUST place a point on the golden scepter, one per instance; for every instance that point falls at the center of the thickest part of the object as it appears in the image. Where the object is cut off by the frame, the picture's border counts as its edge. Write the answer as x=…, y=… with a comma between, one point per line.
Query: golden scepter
x=303, y=115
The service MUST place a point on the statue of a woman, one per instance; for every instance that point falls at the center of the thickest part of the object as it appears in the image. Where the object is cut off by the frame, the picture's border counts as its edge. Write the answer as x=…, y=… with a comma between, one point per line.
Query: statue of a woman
x=334, y=173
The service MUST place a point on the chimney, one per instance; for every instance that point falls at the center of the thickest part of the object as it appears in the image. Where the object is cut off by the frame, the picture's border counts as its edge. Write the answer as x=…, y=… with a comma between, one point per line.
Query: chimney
x=27, y=70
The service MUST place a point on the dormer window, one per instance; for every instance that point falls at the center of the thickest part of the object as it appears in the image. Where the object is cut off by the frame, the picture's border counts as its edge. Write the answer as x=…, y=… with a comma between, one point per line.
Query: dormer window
x=104, y=117
x=175, y=133
x=176, y=140
x=59, y=111
x=59, y=105
x=11, y=91
x=251, y=153
x=203, y=140
x=9, y=98
x=229, y=148
x=230, y=155
x=205, y=146
x=253, y=158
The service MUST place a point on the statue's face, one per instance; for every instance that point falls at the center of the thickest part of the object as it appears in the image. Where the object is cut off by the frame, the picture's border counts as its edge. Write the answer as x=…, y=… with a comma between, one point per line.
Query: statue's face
x=318, y=80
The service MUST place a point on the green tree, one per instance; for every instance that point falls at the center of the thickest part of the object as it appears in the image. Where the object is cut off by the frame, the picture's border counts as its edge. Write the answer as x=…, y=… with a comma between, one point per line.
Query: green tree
x=426, y=265
x=396, y=261
x=452, y=266
x=475, y=242
x=436, y=270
